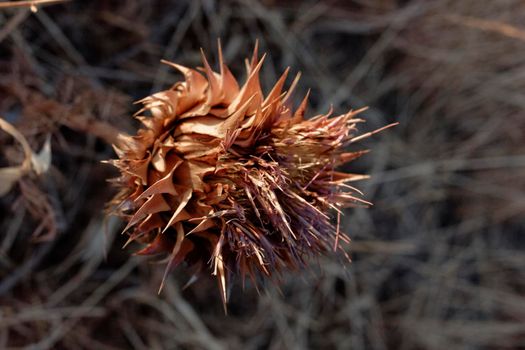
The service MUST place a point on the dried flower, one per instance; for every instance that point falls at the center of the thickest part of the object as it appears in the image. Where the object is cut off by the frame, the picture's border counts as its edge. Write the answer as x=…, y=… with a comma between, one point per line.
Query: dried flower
x=221, y=176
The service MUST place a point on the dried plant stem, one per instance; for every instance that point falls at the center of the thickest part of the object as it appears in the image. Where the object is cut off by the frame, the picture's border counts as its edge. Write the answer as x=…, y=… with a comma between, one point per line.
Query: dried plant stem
x=33, y=5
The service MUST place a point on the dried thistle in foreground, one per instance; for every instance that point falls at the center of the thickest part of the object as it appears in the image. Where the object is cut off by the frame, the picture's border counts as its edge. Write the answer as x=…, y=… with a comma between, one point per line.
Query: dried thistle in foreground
x=221, y=176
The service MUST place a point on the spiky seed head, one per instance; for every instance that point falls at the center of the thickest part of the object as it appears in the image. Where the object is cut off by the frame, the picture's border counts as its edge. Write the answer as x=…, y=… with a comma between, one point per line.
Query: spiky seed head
x=232, y=181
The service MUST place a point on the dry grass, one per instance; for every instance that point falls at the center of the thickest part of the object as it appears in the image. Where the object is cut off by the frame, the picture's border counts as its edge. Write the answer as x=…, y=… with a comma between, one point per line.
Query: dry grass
x=438, y=262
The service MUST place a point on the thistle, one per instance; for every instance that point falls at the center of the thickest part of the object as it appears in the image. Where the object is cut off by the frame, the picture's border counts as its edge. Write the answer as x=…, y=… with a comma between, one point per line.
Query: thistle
x=226, y=179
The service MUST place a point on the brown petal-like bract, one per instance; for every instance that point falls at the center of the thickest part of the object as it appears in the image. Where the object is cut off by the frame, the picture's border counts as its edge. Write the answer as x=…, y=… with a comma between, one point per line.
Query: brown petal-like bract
x=228, y=180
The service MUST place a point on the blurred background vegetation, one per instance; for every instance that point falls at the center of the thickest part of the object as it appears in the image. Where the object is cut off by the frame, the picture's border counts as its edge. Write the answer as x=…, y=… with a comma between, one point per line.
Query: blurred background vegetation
x=438, y=262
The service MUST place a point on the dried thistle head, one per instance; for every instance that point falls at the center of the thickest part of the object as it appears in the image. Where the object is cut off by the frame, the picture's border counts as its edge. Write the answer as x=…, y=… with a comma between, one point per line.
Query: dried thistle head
x=224, y=178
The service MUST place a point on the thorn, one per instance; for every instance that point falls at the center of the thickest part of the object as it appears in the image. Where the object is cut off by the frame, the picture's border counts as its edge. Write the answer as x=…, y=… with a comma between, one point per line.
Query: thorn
x=192, y=280
x=368, y=134
x=336, y=242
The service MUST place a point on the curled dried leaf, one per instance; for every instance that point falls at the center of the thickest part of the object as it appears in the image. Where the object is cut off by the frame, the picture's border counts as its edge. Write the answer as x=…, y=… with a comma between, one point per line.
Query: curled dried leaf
x=39, y=163
x=42, y=161
x=10, y=175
